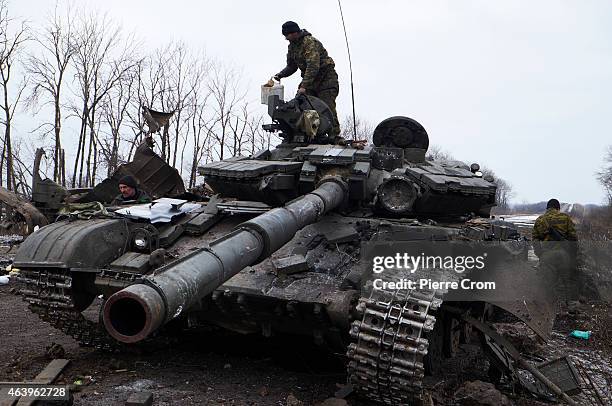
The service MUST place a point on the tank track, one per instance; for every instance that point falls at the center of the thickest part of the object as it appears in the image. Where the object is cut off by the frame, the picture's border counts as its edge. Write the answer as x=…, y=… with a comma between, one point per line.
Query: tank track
x=49, y=295
x=386, y=355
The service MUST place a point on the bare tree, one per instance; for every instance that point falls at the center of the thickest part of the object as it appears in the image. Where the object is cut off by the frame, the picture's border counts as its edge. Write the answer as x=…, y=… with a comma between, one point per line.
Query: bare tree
x=201, y=135
x=152, y=76
x=196, y=115
x=436, y=153
x=238, y=125
x=134, y=118
x=605, y=175
x=102, y=59
x=47, y=71
x=226, y=96
x=363, y=128
x=185, y=74
x=115, y=108
x=504, y=192
x=12, y=40
x=258, y=138
x=22, y=169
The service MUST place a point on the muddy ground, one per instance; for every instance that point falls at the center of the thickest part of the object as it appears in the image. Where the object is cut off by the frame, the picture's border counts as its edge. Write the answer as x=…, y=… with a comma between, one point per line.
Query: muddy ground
x=214, y=368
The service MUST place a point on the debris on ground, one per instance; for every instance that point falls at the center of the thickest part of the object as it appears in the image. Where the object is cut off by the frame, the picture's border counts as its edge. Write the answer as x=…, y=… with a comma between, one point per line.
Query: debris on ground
x=478, y=393
x=145, y=371
x=83, y=380
x=140, y=399
x=519, y=335
x=117, y=364
x=585, y=335
x=137, y=385
x=293, y=401
x=333, y=402
x=55, y=350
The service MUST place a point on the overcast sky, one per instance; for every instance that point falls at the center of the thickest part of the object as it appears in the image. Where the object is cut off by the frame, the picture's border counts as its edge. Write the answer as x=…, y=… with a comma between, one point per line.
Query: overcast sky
x=523, y=87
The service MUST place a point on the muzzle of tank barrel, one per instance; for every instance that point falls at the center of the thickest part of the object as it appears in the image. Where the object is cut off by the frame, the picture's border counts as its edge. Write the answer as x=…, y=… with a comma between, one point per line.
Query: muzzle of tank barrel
x=135, y=312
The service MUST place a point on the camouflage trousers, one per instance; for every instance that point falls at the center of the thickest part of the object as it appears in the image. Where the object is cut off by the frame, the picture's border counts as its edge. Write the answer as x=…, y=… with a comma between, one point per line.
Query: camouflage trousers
x=326, y=88
x=560, y=268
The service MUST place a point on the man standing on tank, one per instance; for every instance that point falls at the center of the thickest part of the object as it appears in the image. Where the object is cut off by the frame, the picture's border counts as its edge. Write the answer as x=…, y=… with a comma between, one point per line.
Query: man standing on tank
x=319, y=77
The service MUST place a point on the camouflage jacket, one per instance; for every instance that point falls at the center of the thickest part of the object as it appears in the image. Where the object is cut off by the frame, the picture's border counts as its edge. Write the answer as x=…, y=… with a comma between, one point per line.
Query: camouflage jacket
x=139, y=197
x=308, y=54
x=561, y=222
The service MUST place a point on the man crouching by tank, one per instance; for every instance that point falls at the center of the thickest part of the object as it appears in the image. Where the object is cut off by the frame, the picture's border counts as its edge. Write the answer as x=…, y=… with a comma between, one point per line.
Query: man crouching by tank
x=129, y=192
x=555, y=244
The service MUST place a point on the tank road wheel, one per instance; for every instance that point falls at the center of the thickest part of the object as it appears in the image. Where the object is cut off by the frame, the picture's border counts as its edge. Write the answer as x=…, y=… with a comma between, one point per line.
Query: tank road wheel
x=388, y=345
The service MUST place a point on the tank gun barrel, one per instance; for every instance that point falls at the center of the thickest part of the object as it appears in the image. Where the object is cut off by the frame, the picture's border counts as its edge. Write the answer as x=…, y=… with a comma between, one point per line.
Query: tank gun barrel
x=135, y=312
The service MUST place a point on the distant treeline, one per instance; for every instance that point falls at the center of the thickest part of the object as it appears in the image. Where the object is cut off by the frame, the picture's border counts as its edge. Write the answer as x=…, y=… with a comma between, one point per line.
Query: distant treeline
x=540, y=207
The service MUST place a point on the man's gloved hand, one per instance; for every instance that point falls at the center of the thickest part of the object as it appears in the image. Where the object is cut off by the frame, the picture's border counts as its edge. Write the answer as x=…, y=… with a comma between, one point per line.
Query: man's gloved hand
x=276, y=77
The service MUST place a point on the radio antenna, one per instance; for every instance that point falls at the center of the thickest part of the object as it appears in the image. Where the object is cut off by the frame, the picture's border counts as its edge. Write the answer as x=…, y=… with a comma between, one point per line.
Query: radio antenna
x=348, y=50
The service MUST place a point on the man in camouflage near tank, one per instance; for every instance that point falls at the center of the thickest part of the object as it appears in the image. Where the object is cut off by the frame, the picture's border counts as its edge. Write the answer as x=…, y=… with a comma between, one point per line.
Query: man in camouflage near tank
x=319, y=77
x=554, y=225
x=554, y=242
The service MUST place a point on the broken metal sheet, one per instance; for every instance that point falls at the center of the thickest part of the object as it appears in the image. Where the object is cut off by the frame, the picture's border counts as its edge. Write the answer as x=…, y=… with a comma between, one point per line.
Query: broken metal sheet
x=160, y=211
x=539, y=316
x=175, y=203
x=563, y=373
x=211, y=206
x=155, y=119
x=153, y=174
x=504, y=346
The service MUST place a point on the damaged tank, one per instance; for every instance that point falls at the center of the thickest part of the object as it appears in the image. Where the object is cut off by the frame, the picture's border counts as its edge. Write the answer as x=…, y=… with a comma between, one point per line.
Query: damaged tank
x=277, y=249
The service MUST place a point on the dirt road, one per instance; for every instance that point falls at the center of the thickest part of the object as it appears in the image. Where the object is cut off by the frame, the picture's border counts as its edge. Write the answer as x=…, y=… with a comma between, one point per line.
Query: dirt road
x=214, y=368
x=220, y=368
